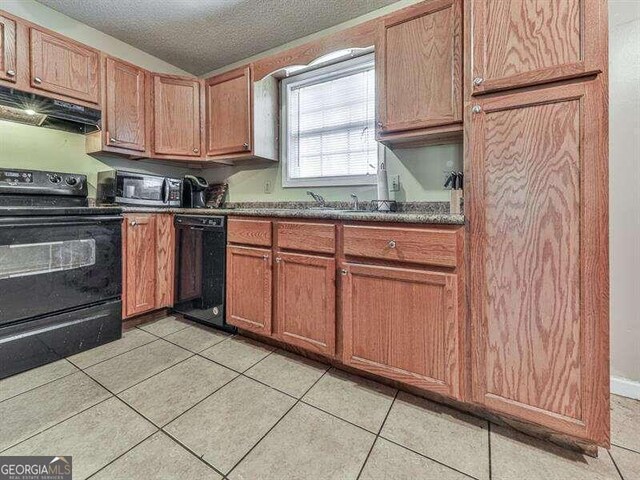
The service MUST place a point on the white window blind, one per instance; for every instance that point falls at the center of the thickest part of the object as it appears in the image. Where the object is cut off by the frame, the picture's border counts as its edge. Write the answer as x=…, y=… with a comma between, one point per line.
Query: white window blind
x=329, y=129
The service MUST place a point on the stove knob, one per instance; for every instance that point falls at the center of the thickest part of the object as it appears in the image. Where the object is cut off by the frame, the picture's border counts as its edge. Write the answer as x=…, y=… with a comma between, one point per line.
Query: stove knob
x=55, y=178
x=72, y=181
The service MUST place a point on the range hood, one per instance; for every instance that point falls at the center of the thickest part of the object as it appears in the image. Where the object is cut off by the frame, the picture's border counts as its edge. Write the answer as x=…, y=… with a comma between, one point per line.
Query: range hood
x=32, y=109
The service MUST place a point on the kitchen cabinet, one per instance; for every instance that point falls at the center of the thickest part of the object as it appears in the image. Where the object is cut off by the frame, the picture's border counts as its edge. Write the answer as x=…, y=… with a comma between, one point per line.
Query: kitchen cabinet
x=241, y=116
x=516, y=44
x=65, y=67
x=148, y=258
x=419, y=50
x=306, y=296
x=139, y=276
x=8, y=53
x=125, y=106
x=402, y=324
x=176, y=117
x=249, y=280
x=538, y=215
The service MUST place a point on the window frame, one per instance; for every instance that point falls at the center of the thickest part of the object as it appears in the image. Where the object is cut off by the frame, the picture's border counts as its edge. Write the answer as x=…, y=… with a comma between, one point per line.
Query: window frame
x=334, y=70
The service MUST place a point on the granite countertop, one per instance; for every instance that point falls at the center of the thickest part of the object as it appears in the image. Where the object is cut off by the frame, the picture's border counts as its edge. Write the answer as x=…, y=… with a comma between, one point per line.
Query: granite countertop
x=330, y=214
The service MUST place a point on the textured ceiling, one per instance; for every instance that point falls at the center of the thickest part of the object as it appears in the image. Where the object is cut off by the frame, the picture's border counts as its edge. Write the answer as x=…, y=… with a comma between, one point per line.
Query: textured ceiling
x=202, y=35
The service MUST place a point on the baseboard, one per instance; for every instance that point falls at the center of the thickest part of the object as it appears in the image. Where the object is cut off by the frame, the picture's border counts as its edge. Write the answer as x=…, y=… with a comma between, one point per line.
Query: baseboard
x=625, y=387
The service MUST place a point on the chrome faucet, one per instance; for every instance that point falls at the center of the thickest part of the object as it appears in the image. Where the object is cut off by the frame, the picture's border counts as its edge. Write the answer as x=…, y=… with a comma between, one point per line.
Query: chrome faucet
x=318, y=198
x=355, y=205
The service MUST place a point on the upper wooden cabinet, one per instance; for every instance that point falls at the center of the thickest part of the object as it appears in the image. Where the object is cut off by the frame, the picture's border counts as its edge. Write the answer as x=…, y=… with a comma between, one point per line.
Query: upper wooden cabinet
x=419, y=70
x=176, y=117
x=229, y=108
x=242, y=116
x=8, y=54
x=538, y=219
x=125, y=106
x=65, y=67
x=520, y=43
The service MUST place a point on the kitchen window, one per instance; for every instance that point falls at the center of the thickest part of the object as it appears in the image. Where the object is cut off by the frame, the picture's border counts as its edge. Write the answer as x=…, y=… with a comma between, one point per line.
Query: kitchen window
x=327, y=128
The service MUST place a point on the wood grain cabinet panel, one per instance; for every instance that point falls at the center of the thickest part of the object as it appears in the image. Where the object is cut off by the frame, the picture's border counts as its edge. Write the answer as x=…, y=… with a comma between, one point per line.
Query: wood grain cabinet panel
x=428, y=246
x=419, y=67
x=176, y=116
x=229, y=109
x=249, y=232
x=307, y=237
x=65, y=67
x=125, y=106
x=306, y=298
x=539, y=257
x=528, y=42
x=8, y=52
x=165, y=252
x=402, y=324
x=140, y=264
x=249, y=288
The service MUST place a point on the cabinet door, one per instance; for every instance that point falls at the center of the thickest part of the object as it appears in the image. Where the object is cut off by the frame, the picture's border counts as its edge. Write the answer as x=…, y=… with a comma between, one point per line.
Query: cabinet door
x=249, y=289
x=229, y=112
x=7, y=49
x=125, y=106
x=65, y=67
x=139, y=286
x=402, y=324
x=165, y=253
x=419, y=67
x=306, y=298
x=176, y=113
x=538, y=257
x=528, y=42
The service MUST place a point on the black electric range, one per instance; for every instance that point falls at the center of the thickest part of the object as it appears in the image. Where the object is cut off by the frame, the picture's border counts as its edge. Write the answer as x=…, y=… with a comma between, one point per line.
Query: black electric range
x=60, y=269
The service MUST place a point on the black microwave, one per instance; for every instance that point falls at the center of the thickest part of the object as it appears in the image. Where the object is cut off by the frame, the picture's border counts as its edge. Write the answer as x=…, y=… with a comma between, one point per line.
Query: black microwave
x=138, y=189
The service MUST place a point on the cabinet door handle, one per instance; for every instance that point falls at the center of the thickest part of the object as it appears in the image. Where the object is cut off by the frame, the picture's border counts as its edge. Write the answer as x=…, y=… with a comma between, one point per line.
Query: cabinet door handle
x=391, y=244
x=278, y=259
x=478, y=81
x=11, y=73
x=265, y=257
x=380, y=125
x=113, y=140
x=195, y=150
x=476, y=109
x=343, y=272
x=37, y=80
x=133, y=223
x=245, y=146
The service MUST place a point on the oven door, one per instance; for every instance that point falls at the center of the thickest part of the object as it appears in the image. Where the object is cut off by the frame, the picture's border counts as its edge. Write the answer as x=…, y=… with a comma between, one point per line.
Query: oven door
x=135, y=189
x=53, y=264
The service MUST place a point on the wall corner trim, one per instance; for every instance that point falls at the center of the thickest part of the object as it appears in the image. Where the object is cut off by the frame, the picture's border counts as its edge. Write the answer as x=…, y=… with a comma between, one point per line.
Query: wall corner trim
x=625, y=387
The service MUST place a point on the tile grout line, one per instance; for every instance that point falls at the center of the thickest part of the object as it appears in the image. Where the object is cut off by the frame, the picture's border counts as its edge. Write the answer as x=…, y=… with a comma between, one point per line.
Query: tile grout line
x=377, y=435
x=45, y=383
x=192, y=452
x=276, y=424
x=58, y=423
x=615, y=464
x=115, y=356
x=625, y=448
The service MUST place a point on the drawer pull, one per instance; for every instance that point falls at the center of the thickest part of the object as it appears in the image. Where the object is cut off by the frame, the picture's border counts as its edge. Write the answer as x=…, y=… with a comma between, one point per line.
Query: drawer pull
x=343, y=272
x=133, y=223
x=391, y=244
x=11, y=73
x=37, y=80
x=278, y=259
x=265, y=257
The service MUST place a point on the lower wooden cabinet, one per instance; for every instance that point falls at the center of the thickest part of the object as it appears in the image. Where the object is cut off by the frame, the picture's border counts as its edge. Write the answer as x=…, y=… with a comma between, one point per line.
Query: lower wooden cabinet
x=147, y=265
x=402, y=324
x=249, y=288
x=306, y=297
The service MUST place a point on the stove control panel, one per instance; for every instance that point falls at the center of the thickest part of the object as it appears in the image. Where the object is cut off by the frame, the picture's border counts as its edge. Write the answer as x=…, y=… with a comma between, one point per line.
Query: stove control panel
x=36, y=182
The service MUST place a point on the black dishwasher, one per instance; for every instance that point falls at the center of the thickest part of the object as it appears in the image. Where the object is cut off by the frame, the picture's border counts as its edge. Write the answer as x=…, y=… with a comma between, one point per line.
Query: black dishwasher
x=200, y=269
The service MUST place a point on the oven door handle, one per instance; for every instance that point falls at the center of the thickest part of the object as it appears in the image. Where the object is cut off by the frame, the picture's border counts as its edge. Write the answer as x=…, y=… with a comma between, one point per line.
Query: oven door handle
x=58, y=221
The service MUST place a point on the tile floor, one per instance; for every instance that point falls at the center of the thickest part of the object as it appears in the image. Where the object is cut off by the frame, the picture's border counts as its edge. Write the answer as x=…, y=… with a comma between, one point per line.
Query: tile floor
x=174, y=400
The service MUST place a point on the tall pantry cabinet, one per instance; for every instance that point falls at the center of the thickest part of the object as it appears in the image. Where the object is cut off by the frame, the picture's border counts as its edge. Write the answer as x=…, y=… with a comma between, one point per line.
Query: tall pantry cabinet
x=536, y=169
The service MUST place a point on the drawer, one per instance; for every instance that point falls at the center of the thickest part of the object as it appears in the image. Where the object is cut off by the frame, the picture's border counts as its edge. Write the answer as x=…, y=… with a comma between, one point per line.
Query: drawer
x=414, y=245
x=249, y=232
x=309, y=237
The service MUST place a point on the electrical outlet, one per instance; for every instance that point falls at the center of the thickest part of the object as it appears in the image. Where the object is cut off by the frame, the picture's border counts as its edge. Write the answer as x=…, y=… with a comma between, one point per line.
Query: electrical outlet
x=395, y=183
x=267, y=187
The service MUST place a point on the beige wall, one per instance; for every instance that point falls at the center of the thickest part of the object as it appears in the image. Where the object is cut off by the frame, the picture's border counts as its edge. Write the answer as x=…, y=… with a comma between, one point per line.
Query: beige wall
x=421, y=170
x=624, y=161
x=23, y=146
